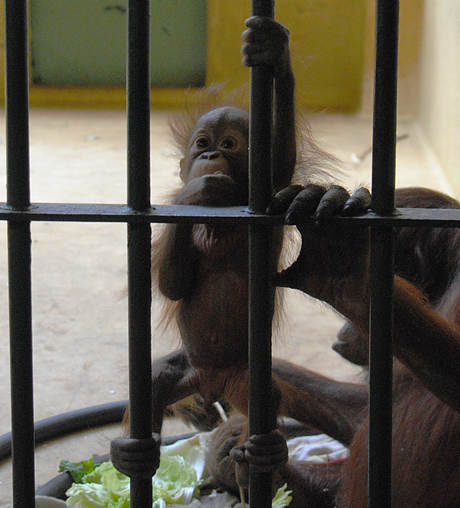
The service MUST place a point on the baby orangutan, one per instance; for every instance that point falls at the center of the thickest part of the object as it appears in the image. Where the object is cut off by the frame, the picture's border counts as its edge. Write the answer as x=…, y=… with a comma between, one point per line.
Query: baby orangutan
x=203, y=269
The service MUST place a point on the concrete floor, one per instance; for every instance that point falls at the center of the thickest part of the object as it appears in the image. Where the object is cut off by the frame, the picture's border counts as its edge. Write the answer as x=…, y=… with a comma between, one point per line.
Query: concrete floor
x=79, y=270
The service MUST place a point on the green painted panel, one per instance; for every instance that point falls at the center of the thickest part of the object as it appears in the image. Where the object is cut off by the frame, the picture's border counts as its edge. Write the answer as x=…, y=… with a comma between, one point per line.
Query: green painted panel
x=83, y=42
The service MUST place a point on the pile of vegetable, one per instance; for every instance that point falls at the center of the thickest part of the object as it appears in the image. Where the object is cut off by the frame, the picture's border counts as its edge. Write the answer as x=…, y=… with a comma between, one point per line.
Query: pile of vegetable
x=177, y=481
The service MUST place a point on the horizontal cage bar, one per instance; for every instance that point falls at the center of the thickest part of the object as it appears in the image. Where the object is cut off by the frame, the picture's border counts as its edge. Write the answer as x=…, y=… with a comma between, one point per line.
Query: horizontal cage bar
x=57, y=212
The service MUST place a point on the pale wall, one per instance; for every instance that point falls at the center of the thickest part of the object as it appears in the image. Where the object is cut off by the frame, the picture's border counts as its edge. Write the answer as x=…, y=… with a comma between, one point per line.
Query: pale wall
x=439, y=99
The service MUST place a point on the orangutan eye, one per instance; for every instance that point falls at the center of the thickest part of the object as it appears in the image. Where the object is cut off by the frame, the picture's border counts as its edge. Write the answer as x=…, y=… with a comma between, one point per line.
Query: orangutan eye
x=202, y=142
x=228, y=144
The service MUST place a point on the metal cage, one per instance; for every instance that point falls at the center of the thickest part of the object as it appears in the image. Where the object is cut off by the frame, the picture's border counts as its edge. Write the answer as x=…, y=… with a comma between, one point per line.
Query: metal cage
x=138, y=214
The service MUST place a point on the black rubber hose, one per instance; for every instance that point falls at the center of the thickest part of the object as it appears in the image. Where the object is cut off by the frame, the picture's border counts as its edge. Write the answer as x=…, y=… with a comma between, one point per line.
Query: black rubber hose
x=69, y=423
x=90, y=418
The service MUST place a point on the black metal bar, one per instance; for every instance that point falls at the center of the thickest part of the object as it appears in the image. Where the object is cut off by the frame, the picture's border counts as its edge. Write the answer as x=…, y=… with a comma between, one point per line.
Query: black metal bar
x=381, y=367
x=262, y=411
x=138, y=104
x=61, y=212
x=22, y=413
x=382, y=255
x=261, y=125
x=139, y=236
x=385, y=95
x=19, y=253
x=17, y=103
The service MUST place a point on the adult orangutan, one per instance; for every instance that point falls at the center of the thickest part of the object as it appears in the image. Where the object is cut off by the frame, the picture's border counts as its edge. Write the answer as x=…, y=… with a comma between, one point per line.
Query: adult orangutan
x=333, y=266
x=427, y=257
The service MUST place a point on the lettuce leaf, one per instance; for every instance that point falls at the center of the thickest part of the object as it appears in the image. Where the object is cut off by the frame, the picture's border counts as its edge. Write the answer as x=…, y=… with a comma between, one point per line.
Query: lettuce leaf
x=177, y=480
x=105, y=487
x=77, y=470
x=282, y=497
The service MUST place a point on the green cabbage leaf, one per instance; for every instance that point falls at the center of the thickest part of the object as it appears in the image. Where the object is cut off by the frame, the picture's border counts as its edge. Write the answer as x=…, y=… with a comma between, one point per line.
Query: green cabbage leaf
x=174, y=483
x=177, y=480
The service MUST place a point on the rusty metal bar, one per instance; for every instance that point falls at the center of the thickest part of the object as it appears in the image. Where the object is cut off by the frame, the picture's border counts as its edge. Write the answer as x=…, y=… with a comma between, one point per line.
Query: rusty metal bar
x=262, y=412
x=382, y=255
x=139, y=236
x=19, y=253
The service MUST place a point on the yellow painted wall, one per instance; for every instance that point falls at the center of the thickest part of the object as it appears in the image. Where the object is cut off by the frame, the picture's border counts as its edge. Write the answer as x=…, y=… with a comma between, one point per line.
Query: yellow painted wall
x=410, y=14
x=327, y=47
x=2, y=48
x=224, y=63
x=327, y=39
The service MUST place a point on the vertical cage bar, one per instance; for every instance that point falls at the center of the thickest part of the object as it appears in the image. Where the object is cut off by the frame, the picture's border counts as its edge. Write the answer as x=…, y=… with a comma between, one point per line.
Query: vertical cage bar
x=385, y=99
x=139, y=236
x=262, y=412
x=17, y=104
x=19, y=253
x=21, y=362
x=382, y=254
x=138, y=104
x=261, y=125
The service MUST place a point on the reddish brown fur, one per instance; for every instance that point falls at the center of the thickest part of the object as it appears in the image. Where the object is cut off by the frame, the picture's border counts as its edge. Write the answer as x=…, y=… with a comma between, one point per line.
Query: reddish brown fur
x=426, y=397
x=426, y=453
x=426, y=393
x=203, y=269
x=426, y=423
x=427, y=257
